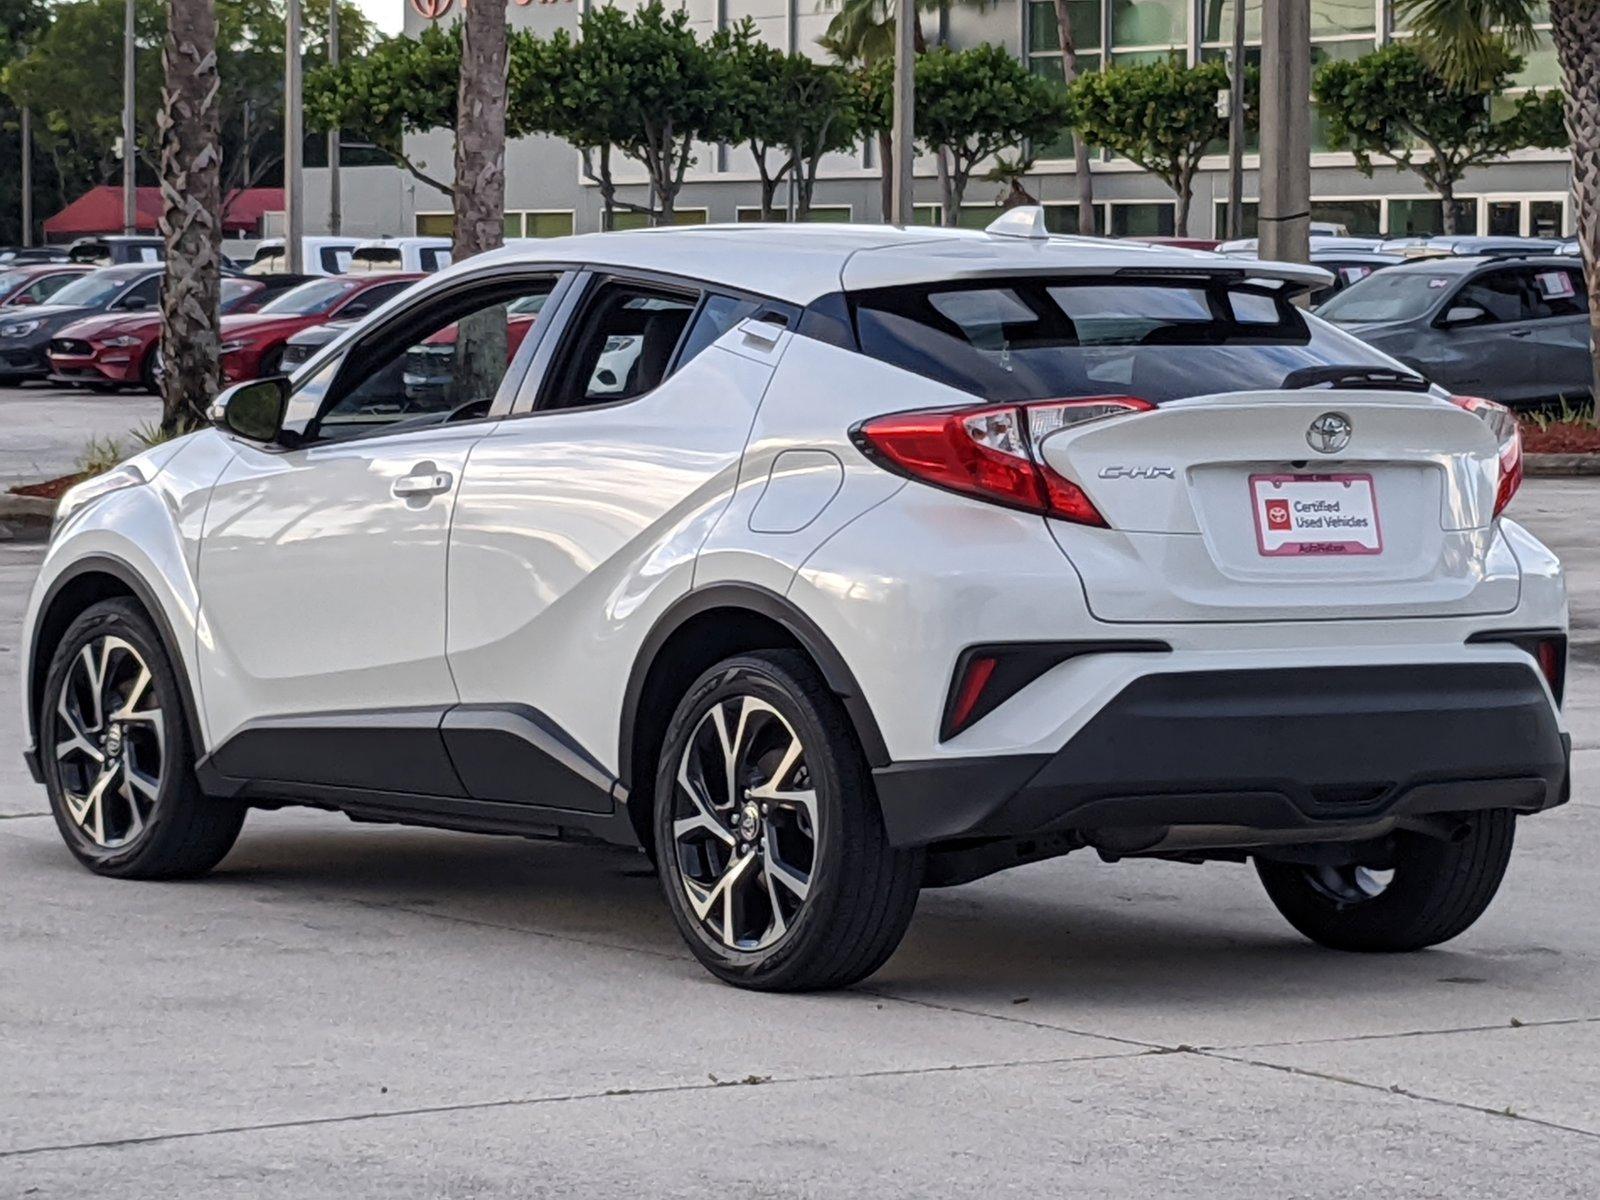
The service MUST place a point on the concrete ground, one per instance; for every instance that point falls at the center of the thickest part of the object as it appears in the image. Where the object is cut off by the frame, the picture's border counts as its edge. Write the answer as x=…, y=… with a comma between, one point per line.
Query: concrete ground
x=346, y=1011
x=44, y=430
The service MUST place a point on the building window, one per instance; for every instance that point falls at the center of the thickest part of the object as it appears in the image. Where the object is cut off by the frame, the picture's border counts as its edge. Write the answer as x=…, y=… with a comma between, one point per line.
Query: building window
x=624, y=219
x=1363, y=218
x=541, y=223
x=820, y=213
x=436, y=224
x=1250, y=211
x=1425, y=217
x=1151, y=219
x=1062, y=217
x=1044, y=52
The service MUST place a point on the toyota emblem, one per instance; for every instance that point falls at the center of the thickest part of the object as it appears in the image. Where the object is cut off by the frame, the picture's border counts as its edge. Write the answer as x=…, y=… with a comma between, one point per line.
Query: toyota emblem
x=1329, y=433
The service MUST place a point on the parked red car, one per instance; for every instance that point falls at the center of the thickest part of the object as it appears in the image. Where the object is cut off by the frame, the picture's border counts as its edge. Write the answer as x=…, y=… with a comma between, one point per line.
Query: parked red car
x=119, y=349
x=34, y=283
x=252, y=344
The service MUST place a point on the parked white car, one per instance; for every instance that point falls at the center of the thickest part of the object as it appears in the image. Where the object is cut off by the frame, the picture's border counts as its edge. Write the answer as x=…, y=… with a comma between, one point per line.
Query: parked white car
x=319, y=256
x=825, y=564
x=424, y=254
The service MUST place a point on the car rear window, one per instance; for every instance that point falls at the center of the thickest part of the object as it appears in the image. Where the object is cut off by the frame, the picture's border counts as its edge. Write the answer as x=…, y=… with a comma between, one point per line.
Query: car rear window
x=1035, y=338
x=1389, y=296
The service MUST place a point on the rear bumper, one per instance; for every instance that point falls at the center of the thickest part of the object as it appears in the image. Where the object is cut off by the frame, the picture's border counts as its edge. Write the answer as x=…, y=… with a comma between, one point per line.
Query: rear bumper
x=1251, y=757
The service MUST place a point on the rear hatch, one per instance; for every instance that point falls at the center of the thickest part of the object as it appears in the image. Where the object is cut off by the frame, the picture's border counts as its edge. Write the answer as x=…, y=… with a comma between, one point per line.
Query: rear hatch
x=1224, y=507
x=1236, y=458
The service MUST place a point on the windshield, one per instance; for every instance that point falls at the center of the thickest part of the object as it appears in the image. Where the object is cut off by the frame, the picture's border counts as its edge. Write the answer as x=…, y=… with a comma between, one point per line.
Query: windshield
x=11, y=280
x=309, y=299
x=1387, y=296
x=1041, y=338
x=91, y=291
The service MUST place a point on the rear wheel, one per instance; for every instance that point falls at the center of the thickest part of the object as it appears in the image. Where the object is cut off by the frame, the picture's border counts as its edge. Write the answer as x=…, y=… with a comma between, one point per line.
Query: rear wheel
x=1426, y=892
x=770, y=845
x=118, y=754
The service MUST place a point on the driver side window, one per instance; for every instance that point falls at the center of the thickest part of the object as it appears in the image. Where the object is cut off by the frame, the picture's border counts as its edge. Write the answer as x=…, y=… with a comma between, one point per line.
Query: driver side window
x=442, y=361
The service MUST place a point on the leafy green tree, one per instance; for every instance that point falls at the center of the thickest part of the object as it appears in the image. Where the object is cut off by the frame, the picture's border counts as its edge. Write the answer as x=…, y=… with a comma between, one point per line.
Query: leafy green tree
x=402, y=85
x=1394, y=105
x=1463, y=38
x=974, y=104
x=789, y=109
x=1162, y=116
x=71, y=75
x=21, y=21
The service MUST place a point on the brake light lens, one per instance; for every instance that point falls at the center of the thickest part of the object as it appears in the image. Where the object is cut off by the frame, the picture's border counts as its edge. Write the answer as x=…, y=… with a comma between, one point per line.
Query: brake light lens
x=1508, y=434
x=991, y=452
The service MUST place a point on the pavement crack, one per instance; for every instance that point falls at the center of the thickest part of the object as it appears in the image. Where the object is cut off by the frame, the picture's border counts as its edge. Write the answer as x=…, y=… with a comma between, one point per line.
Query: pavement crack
x=1507, y=1114
x=21, y=816
x=711, y=1084
x=1508, y=1026
x=1153, y=1047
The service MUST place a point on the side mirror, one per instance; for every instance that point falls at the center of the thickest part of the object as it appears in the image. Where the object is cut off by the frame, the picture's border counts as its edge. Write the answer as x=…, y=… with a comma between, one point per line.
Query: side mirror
x=252, y=410
x=1461, y=314
x=22, y=301
x=134, y=304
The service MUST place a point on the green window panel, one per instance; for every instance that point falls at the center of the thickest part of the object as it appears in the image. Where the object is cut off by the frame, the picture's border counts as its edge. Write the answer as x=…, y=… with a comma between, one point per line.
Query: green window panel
x=1044, y=34
x=436, y=224
x=637, y=220
x=1143, y=220
x=547, y=224
x=1149, y=22
x=1364, y=218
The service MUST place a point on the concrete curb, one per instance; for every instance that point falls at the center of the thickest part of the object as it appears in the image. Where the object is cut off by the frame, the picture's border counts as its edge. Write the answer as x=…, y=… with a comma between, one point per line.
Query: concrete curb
x=25, y=518
x=1561, y=465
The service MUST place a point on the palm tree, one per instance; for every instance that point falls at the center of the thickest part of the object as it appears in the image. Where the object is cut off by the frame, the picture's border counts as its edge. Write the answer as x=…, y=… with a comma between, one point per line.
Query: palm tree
x=1462, y=36
x=479, y=195
x=190, y=128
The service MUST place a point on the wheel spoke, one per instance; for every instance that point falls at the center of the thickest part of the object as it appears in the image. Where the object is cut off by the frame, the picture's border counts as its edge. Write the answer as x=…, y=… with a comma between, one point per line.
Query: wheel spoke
x=91, y=815
x=79, y=740
x=137, y=781
x=131, y=781
x=703, y=900
x=779, y=925
x=797, y=883
x=791, y=755
x=704, y=816
x=95, y=676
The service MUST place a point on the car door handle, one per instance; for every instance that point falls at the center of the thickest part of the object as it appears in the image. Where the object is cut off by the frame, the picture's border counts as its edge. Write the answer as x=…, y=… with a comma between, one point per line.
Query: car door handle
x=431, y=483
x=1521, y=333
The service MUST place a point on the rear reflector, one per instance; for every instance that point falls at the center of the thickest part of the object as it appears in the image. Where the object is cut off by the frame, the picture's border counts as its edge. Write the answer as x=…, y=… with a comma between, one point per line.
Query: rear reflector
x=1508, y=435
x=991, y=452
x=1547, y=648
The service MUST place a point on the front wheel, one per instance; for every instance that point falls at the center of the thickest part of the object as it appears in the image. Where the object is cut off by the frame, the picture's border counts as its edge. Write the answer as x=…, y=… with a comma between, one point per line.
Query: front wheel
x=1426, y=892
x=119, y=755
x=770, y=845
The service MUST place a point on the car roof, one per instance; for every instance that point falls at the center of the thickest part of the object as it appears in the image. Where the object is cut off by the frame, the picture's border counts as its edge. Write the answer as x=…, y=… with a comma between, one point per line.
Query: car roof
x=799, y=263
x=1465, y=264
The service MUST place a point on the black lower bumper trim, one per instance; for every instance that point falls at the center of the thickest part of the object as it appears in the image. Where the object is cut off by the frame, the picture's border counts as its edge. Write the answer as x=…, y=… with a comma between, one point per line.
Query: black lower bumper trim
x=1282, y=750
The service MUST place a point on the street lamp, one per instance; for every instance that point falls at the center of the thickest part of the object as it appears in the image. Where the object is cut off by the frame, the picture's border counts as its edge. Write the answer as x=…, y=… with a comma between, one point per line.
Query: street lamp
x=130, y=152
x=904, y=130
x=293, y=139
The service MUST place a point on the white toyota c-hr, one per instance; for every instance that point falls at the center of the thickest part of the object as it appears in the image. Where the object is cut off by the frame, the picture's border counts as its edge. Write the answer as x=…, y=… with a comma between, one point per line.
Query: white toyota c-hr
x=827, y=564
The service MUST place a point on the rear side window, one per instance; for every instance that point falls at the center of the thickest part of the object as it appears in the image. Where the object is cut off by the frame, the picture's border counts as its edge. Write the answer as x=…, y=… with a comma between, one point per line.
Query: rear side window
x=1039, y=338
x=717, y=315
x=622, y=346
x=1505, y=295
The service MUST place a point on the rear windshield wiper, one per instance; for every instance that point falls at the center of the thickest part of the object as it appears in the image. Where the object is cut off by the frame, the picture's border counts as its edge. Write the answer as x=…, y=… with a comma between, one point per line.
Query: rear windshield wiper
x=1356, y=376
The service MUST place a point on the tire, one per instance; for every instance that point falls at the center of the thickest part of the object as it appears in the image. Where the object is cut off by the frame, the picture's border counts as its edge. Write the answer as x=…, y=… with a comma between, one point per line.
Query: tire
x=147, y=371
x=859, y=893
x=1437, y=890
x=150, y=819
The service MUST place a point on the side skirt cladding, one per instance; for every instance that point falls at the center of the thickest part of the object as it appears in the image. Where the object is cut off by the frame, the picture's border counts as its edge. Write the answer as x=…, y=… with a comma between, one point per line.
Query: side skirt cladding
x=478, y=768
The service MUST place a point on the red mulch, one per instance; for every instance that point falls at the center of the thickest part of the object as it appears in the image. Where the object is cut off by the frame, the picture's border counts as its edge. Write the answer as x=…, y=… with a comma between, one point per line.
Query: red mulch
x=1561, y=438
x=50, y=489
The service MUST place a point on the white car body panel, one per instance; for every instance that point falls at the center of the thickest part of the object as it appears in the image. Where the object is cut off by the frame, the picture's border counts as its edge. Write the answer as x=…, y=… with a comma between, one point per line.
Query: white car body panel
x=294, y=538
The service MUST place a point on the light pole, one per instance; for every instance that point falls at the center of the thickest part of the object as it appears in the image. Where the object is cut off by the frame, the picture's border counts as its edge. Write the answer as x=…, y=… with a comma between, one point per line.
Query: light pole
x=27, y=177
x=1235, y=228
x=1285, y=220
x=130, y=154
x=293, y=139
x=335, y=213
x=905, y=57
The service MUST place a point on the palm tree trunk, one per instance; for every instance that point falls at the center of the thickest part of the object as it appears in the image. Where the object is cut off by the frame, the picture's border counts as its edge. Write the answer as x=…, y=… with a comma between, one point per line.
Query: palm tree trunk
x=886, y=177
x=1447, y=206
x=191, y=204
x=480, y=186
x=1080, y=148
x=1577, y=36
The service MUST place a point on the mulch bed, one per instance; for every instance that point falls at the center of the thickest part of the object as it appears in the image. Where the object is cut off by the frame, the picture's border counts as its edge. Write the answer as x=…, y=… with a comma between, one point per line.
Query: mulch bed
x=1560, y=438
x=50, y=489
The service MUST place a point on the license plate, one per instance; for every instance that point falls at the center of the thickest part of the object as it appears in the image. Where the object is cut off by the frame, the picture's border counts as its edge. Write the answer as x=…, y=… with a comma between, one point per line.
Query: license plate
x=1315, y=514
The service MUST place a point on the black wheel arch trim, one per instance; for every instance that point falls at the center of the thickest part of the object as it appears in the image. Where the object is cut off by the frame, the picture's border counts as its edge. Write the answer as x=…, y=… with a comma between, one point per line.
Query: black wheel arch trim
x=765, y=603
x=39, y=667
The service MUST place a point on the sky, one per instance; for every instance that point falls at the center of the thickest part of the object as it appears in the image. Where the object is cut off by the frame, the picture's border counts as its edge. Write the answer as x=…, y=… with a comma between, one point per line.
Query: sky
x=387, y=15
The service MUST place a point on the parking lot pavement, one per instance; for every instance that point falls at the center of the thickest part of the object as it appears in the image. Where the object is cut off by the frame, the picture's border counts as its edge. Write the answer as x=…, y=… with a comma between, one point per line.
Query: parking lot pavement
x=43, y=430
x=349, y=1011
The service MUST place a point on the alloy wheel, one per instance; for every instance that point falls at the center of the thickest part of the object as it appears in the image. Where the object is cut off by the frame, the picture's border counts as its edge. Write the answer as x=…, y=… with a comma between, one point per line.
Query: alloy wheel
x=745, y=823
x=111, y=742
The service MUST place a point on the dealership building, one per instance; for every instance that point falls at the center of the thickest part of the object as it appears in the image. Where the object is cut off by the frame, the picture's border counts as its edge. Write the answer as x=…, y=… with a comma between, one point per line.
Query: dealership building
x=547, y=193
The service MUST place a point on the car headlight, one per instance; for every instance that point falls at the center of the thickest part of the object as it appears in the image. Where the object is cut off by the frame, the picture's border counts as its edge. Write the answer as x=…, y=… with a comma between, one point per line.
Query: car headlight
x=124, y=342
x=75, y=499
x=19, y=328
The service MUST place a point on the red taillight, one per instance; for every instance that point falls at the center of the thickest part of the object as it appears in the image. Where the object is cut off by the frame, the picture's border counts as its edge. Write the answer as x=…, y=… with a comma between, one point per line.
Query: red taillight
x=969, y=690
x=992, y=451
x=1508, y=434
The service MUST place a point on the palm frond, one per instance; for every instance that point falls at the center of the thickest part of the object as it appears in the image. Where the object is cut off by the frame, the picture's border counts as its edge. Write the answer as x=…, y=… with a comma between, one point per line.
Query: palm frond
x=1464, y=39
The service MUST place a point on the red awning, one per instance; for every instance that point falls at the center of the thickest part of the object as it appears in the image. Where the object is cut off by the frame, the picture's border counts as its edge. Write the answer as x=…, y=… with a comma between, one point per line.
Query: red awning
x=99, y=211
